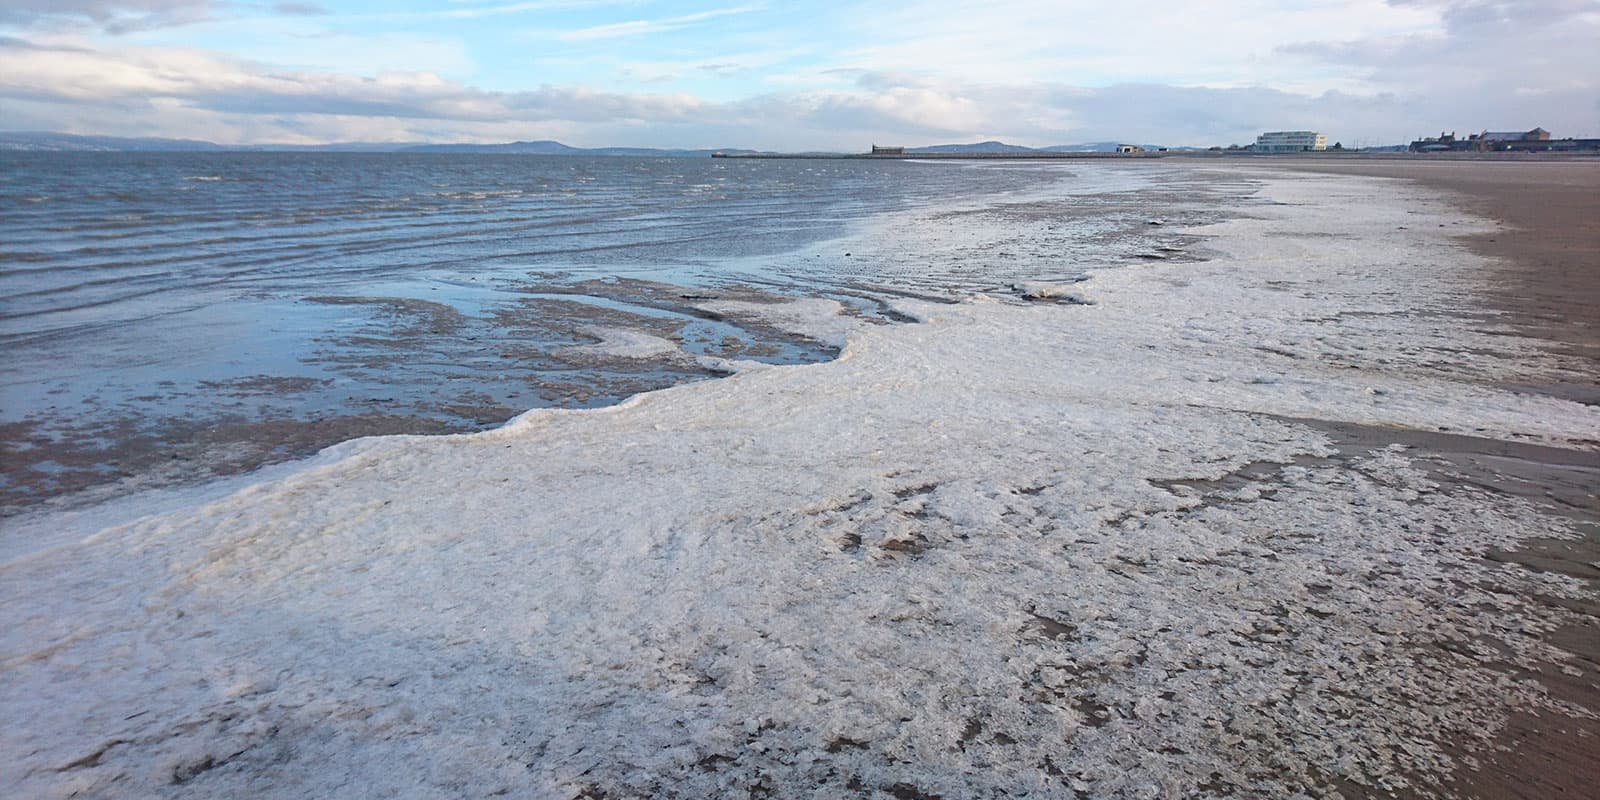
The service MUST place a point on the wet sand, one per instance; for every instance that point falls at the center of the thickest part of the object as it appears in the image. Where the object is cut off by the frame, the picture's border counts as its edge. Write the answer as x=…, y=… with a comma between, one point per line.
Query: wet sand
x=456, y=362
x=480, y=371
x=1548, y=247
x=1548, y=278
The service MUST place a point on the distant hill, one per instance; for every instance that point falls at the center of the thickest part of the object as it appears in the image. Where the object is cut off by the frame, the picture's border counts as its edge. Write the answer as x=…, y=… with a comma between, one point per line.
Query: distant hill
x=979, y=147
x=335, y=147
x=1090, y=147
x=61, y=142
x=545, y=147
x=650, y=151
x=548, y=147
x=66, y=142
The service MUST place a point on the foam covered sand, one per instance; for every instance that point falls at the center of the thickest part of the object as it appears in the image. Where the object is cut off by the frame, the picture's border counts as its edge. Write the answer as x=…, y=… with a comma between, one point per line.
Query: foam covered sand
x=975, y=556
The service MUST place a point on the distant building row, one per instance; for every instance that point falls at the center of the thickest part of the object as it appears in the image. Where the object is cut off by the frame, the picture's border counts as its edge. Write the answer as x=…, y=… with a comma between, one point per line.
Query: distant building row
x=1535, y=141
x=1482, y=142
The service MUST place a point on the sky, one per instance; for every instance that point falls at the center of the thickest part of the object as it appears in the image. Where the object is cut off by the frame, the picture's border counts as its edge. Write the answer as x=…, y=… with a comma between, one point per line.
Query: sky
x=836, y=75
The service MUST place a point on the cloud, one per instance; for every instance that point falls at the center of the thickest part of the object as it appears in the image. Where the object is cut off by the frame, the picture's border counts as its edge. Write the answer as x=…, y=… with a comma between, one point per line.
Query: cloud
x=1419, y=65
x=641, y=27
x=195, y=79
x=1464, y=15
x=1479, y=44
x=127, y=16
x=723, y=66
x=111, y=16
x=130, y=90
x=886, y=107
x=16, y=43
x=501, y=9
x=300, y=9
x=1100, y=43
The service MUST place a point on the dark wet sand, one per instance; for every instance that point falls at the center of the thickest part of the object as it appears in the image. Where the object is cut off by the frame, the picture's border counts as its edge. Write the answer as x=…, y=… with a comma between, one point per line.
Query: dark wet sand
x=1548, y=271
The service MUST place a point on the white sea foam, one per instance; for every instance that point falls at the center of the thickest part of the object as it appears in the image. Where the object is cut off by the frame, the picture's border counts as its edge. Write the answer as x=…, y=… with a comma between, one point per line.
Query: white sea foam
x=953, y=561
x=1062, y=292
x=622, y=343
x=816, y=318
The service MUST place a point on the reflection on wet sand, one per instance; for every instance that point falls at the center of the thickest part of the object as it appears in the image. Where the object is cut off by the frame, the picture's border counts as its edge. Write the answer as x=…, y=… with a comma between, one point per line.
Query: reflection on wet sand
x=424, y=367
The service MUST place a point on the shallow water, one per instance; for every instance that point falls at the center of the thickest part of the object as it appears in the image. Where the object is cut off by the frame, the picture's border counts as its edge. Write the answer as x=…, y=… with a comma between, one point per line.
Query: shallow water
x=181, y=315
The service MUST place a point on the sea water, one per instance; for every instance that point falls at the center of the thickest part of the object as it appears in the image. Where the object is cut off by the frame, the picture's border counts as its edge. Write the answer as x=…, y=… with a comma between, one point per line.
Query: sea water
x=168, y=317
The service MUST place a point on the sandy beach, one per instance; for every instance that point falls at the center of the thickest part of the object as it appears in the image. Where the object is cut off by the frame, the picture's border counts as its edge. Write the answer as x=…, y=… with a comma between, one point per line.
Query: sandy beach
x=1547, y=262
x=647, y=400
x=1313, y=516
x=1548, y=248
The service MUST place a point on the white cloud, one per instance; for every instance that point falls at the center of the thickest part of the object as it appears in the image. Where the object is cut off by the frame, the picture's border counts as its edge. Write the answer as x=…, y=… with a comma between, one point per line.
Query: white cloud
x=1099, y=43
x=299, y=9
x=1362, y=71
x=642, y=27
x=204, y=80
x=500, y=9
x=112, y=16
x=335, y=50
x=722, y=65
x=1478, y=44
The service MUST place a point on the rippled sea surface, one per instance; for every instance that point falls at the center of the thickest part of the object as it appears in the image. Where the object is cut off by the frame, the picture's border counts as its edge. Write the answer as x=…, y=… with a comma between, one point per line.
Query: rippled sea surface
x=167, y=317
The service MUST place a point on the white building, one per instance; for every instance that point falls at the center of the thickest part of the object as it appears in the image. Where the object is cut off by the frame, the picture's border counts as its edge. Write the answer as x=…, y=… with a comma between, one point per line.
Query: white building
x=1290, y=142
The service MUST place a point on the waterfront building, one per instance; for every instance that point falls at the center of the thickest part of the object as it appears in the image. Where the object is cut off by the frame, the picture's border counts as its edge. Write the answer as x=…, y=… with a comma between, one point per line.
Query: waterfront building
x=1492, y=138
x=1534, y=141
x=888, y=151
x=1290, y=142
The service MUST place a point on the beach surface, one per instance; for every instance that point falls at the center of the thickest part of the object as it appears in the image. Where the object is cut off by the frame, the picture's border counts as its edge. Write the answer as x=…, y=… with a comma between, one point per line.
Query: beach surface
x=1545, y=284
x=1547, y=250
x=1311, y=518
x=184, y=318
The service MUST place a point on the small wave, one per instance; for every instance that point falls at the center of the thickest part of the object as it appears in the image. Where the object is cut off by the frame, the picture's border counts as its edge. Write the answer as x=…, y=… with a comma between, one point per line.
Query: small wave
x=206, y=178
x=478, y=195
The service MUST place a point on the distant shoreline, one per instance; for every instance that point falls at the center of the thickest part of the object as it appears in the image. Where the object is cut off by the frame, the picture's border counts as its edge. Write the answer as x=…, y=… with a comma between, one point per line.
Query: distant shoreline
x=1018, y=156
x=1388, y=156
x=48, y=142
